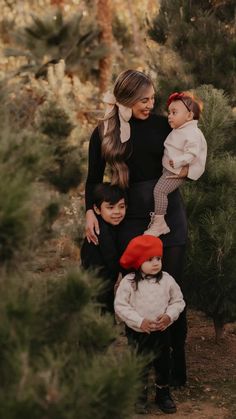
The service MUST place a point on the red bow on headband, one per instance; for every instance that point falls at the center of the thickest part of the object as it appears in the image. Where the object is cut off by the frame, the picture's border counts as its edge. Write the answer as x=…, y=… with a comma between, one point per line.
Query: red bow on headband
x=173, y=97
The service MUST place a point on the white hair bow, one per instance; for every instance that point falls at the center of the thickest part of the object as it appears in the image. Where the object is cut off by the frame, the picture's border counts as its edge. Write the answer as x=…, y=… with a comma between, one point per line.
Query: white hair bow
x=124, y=113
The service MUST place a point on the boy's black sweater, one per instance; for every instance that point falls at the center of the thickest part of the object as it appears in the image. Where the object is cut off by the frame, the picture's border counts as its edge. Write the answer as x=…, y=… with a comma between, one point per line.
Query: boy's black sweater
x=104, y=257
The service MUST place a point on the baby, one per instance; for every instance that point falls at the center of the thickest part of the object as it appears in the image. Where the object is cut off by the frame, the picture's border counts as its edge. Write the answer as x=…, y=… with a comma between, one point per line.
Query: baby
x=185, y=145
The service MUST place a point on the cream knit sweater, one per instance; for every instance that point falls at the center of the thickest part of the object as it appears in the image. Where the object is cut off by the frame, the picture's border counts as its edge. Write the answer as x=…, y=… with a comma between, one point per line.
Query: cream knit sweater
x=149, y=301
x=186, y=145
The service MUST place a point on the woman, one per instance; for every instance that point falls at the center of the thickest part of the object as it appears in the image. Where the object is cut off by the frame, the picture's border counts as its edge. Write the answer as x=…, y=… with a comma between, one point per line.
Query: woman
x=130, y=140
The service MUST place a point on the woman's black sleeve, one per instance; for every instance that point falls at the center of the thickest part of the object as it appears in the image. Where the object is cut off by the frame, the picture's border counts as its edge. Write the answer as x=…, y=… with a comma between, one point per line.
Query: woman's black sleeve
x=96, y=167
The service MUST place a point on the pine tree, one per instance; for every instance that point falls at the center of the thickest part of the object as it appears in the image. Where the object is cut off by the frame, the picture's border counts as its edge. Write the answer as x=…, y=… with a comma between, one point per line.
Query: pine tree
x=210, y=278
x=54, y=121
x=58, y=354
x=203, y=35
x=23, y=157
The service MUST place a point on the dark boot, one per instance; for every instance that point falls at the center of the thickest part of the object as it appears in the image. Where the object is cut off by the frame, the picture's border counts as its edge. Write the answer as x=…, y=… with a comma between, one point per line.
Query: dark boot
x=141, y=404
x=164, y=400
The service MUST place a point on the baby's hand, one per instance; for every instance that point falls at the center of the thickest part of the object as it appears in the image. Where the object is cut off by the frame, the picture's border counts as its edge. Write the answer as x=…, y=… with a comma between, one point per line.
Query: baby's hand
x=163, y=322
x=148, y=326
x=171, y=163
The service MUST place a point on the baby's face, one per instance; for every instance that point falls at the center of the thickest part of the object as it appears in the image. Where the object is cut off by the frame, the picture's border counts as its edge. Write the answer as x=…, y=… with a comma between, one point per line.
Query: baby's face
x=112, y=213
x=151, y=266
x=178, y=114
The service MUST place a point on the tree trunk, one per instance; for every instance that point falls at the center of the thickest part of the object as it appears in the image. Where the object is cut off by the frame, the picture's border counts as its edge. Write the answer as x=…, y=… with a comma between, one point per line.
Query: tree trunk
x=58, y=3
x=104, y=16
x=219, y=330
x=138, y=42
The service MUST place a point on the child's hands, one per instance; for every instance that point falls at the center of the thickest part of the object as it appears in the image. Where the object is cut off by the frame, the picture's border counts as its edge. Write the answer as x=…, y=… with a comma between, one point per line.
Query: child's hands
x=162, y=322
x=148, y=326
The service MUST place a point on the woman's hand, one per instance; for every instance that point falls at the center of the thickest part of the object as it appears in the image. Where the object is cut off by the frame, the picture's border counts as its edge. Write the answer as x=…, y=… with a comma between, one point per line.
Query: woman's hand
x=171, y=163
x=91, y=227
x=182, y=174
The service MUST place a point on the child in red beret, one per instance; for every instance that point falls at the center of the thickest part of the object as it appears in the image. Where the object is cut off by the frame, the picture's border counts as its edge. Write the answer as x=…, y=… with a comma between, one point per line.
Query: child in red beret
x=148, y=301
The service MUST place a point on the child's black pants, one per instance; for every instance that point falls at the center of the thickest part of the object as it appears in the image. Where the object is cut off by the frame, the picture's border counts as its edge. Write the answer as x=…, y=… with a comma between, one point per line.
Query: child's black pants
x=155, y=344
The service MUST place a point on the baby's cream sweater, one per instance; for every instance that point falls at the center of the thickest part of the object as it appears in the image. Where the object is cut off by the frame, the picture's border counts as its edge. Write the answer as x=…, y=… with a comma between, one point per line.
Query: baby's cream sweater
x=151, y=300
x=186, y=145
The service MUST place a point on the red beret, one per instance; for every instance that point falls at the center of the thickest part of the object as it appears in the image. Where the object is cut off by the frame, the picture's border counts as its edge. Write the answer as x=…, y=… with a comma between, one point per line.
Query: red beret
x=140, y=249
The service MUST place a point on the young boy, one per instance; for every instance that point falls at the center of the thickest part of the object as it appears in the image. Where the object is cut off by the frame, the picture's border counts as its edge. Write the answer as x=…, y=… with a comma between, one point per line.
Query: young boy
x=110, y=207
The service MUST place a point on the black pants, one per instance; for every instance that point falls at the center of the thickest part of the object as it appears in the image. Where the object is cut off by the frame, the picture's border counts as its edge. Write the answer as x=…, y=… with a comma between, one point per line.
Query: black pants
x=106, y=298
x=173, y=261
x=155, y=344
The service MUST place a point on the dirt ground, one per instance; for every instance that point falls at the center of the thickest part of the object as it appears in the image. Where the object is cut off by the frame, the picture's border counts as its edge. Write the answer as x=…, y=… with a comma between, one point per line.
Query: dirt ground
x=211, y=388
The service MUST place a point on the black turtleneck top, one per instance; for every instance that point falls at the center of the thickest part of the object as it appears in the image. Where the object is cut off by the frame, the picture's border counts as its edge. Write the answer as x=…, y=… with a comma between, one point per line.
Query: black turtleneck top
x=145, y=151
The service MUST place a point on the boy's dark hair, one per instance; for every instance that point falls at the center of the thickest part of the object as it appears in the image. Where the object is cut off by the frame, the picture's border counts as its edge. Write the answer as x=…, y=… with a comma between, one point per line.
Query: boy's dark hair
x=106, y=192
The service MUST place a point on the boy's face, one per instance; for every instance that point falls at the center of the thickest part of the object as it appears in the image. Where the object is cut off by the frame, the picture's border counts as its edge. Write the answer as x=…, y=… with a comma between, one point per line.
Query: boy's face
x=151, y=266
x=112, y=213
x=178, y=114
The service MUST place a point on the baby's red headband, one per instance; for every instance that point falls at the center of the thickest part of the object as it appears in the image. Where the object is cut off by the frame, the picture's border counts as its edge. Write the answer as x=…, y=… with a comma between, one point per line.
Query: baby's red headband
x=179, y=96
